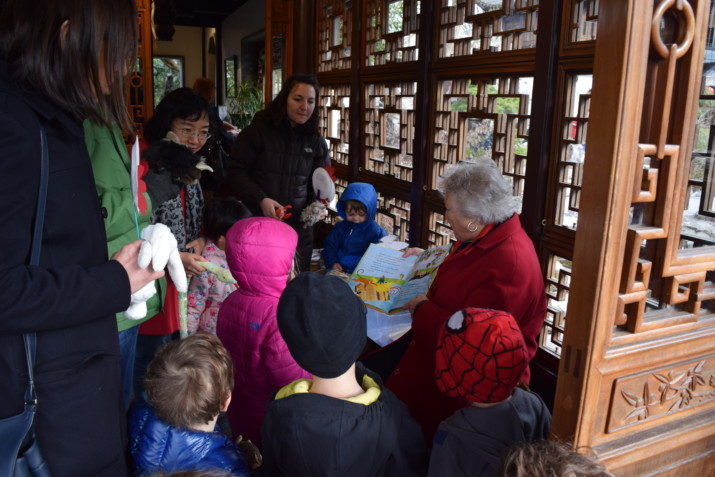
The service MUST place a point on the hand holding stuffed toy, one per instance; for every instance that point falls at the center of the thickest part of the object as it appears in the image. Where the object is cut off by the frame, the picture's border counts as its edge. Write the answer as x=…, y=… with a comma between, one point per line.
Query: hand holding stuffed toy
x=161, y=250
x=324, y=188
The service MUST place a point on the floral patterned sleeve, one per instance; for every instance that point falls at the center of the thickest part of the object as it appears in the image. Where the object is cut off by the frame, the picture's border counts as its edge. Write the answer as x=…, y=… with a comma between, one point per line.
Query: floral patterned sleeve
x=198, y=291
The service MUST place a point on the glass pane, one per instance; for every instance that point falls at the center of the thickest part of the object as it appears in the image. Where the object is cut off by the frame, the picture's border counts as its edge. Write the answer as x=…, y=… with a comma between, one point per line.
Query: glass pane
x=479, y=138
x=585, y=20
x=558, y=281
x=168, y=75
x=394, y=16
x=391, y=130
x=337, y=31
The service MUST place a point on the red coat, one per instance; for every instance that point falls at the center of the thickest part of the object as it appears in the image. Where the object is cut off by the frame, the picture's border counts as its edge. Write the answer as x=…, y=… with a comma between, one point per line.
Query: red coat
x=500, y=271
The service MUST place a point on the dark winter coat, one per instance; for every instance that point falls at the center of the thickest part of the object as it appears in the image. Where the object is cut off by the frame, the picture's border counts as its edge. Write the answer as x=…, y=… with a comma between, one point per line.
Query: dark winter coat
x=277, y=161
x=70, y=300
x=156, y=446
x=472, y=441
x=348, y=241
x=313, y=435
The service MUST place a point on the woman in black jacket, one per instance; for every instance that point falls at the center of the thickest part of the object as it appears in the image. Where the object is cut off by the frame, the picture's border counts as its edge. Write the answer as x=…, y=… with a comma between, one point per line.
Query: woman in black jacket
x=60, y=63
x=273, y=159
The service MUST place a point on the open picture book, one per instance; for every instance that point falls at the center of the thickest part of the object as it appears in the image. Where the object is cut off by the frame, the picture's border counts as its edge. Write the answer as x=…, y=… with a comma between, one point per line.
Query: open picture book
x=385, y=280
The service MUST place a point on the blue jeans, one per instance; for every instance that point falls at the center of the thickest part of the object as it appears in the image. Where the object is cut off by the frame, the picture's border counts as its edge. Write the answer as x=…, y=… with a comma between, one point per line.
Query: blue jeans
x=128, y=349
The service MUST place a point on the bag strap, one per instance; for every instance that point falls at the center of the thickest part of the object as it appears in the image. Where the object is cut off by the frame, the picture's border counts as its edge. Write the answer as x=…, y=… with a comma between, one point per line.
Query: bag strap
x=31, y=338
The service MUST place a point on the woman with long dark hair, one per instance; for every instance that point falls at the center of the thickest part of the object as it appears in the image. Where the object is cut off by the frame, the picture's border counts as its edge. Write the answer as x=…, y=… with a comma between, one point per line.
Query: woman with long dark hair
x=62, y=62
x=273, y=159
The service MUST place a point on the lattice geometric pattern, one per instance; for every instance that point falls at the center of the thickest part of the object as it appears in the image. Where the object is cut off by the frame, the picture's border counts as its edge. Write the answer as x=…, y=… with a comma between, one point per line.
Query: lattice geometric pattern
x=340, y=185
x=334, y=35
x=656, y=276
x=558, y=281
x=391, y=31
x=584, y=20
x=572, y=148
x=389, y=127
x=486, y=26
x=335, y=120
x=439, y=232
x=483, y=118
x=393, y=215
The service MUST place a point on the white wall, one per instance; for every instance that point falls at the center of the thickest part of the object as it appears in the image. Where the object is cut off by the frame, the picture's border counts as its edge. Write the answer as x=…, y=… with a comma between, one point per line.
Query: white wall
x=186, y=43
x=245, y=21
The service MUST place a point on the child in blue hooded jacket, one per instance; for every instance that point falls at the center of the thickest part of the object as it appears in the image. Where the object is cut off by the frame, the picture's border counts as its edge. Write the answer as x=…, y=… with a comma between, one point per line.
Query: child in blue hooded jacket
x=351, y=237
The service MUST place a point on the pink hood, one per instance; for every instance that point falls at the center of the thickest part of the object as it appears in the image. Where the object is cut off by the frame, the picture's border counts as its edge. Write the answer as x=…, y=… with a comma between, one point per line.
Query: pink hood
x=259, y=251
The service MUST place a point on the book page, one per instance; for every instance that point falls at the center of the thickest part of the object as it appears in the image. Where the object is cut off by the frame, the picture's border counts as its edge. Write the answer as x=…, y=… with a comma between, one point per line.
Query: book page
x=421, y=275
x=379, y=275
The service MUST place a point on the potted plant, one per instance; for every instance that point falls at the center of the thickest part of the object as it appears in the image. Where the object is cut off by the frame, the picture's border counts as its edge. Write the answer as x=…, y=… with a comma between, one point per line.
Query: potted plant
x=247, y=102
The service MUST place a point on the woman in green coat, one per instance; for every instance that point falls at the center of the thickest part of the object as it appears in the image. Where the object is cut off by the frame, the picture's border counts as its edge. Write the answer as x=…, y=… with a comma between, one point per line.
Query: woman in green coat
x=123, y=223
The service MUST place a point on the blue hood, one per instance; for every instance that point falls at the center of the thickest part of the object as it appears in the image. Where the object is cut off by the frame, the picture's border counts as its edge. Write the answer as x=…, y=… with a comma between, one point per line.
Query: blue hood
x=363, y=193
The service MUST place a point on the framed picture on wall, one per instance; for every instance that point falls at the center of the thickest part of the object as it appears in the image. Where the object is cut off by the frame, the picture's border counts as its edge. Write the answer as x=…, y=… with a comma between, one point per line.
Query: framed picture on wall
x=230, y=74
x=168, y=72
x=252, y=57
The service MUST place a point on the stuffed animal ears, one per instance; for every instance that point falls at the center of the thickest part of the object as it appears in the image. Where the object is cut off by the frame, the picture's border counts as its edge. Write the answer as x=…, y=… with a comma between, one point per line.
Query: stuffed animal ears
x=323, y=185
x=171, y=136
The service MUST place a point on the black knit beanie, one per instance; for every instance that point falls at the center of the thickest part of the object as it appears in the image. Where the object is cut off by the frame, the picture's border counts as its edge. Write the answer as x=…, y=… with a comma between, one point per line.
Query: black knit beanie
x=323, y=323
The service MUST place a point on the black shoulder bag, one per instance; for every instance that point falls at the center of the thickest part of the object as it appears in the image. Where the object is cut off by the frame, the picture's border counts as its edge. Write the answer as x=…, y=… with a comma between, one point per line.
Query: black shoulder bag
x=19, y=451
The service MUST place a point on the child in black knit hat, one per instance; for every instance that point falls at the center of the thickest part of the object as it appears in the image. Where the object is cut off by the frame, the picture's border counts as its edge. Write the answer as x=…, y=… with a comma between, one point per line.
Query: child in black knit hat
x=343, y=421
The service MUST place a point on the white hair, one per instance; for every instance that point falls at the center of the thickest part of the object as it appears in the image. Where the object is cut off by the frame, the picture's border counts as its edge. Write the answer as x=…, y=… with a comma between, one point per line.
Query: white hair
x=480, y=191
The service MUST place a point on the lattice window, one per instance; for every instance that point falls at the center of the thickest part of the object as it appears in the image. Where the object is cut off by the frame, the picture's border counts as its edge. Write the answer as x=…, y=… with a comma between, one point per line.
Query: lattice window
x=340, y=185
x=486, y=26
x=483, y=118
x=335, y=120
x=335, y=33
x=390, y=128
x=439, y=232
x=558, y=281
x=391, y=31
x=393, y=215
x=584, y=20
x=572, y=148
x=698, y=228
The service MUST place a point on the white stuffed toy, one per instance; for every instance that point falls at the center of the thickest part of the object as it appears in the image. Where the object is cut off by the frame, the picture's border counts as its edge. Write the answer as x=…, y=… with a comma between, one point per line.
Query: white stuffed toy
x=161, y=250
x=324, y=188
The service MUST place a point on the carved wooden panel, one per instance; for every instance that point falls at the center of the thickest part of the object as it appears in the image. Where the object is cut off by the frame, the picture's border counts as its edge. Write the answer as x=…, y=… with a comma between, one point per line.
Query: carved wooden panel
x=661, y=392
x=656, y=275
x=393, y=214
x=470, y=27
x=570, y=148
x=584, y=20
x=335, y=120
x=558, y=282
x=140, y=81
x=334, y=35
x=391, y=31
x=389, y=125
x=439, y=232
x=483, y=118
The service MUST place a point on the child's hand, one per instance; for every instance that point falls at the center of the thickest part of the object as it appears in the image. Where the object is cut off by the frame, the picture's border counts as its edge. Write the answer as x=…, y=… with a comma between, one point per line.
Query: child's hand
x=336, y=266
x=253, y=456
x=191, y=263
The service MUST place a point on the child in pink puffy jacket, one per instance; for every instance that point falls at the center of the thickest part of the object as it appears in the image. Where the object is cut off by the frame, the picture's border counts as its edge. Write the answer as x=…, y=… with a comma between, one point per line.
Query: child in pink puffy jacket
x=260, y=252
x=206, y=291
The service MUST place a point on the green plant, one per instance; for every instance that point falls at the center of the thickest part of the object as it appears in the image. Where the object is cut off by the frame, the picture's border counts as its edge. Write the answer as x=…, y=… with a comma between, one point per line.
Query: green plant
x=247, y=102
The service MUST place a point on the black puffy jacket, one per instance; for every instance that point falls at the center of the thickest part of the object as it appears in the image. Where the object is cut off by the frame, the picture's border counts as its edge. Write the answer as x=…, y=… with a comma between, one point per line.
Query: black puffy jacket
x=275, y=160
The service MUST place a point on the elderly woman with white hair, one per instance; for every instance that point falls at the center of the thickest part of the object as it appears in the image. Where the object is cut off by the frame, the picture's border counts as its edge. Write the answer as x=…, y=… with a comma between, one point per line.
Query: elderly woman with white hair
x=493, y=265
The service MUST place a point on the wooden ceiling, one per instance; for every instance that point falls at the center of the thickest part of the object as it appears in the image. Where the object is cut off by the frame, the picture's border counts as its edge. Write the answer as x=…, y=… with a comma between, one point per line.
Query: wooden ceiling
x=206, y=13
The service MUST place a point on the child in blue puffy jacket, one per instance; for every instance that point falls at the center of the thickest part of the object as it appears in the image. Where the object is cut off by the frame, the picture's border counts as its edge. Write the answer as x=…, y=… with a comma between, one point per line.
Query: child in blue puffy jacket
x=351, y=237
x=187, y=385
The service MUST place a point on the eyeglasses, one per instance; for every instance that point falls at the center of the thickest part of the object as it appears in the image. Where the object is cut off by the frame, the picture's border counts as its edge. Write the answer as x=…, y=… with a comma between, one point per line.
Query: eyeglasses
x=189, y=134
